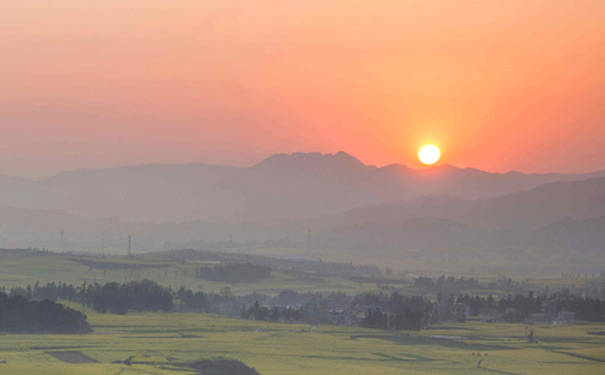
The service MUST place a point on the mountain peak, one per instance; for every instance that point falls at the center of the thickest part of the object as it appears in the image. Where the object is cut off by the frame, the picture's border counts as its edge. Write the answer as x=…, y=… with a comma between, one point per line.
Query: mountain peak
x=338, y=163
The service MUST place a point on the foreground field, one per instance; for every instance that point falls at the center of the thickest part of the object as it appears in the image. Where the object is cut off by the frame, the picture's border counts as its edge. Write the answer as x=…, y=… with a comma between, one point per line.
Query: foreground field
x=161, y=343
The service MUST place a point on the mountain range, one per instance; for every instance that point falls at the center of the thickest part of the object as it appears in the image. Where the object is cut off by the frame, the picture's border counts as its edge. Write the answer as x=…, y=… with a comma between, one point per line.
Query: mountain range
x=344, y=202
x=296, y=186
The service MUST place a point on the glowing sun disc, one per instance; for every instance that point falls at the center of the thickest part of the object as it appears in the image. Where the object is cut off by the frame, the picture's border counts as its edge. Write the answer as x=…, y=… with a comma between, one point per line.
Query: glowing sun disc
x=429, y=154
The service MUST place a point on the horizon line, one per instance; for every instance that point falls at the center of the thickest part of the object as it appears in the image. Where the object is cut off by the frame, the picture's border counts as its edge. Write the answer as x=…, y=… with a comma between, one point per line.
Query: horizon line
x=307, y=153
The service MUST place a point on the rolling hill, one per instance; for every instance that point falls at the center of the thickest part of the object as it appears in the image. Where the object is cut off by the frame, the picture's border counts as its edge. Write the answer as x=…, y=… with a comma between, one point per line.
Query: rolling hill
x=561, y=215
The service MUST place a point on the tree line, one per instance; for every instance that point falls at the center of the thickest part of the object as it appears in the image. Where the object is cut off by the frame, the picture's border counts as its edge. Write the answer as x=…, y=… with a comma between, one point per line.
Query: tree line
x=520, y=307
x=18, y=314
x=111, y=297
x=407, y=319
x=395, y=311
x=142, y=295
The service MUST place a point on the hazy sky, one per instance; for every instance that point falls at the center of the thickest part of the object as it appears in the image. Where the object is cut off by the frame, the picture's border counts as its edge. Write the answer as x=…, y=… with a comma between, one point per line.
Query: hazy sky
x=498, y=85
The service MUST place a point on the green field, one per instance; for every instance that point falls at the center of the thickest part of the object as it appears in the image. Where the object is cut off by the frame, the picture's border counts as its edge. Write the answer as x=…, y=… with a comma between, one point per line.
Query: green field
x=162, y=342
x=19, y=270
x=26, y=270
x=479, y=263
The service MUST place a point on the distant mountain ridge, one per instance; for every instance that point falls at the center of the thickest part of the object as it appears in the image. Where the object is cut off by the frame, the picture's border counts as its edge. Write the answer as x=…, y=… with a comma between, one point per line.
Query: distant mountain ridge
x=559, y=216
x=283, y=186
x=531, y=208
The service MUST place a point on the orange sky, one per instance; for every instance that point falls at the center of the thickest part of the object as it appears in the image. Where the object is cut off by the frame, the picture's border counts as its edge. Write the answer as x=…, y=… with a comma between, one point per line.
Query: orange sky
x=498, y=85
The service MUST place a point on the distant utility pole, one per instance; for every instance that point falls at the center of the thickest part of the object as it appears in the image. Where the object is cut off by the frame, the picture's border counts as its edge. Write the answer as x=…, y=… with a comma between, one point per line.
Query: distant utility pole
x=309, y=239
x=129, y=246
x=61, y=241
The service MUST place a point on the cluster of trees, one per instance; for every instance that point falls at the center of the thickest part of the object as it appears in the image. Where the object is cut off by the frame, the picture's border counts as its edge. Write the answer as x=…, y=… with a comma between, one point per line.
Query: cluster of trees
x=18, y=314
x=393, y=302
x=263, y=313
x=478, y=304
x=403, y=320
x=51, y=291
x=234, y=273
x=589, y=309
x=390, y=311
x=395, y=311
x=111, y=297
x=118, y=298
x=520, y=307
x=143, y=295
x=197, y=301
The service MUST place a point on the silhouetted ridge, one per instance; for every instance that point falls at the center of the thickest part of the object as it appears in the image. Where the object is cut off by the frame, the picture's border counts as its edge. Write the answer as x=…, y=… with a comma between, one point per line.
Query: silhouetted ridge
x=315, y=162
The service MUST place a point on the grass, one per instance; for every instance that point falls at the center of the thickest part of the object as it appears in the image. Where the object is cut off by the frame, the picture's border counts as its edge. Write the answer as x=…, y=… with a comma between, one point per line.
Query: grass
x=160, y=342
x=21, y=271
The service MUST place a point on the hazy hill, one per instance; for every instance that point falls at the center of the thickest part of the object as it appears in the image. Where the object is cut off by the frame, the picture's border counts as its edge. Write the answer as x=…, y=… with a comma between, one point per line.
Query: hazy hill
x=556, y=215
x=561, y=215
x=415, y=234
x=529, y=209
x=587, y=235
x=300, y=185
x=22, y=227
x=282, y=197
x=25, y=193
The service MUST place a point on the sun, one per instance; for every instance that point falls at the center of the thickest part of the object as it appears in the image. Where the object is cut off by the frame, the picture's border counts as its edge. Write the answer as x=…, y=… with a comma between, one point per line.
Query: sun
x=429, y=154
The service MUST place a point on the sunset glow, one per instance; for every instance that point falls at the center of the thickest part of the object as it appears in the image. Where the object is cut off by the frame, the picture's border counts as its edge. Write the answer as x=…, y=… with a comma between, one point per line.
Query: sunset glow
x=509, y=85
x=196, y=186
